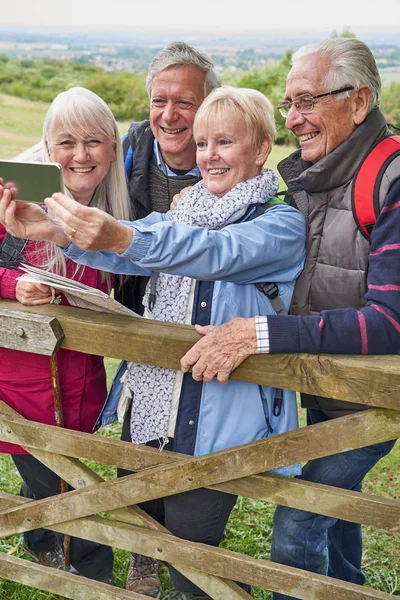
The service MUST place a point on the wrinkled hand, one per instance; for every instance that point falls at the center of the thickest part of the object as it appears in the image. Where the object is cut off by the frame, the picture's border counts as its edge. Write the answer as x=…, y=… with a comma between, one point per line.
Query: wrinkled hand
x=28, y=220
x=177, y=197
x=92, y=228
x=221, y=350
x=32, y=294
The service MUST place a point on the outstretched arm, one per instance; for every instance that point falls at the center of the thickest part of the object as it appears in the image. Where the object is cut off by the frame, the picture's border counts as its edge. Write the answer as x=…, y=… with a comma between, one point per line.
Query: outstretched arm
x=268, y=248
x=29, y=221
x=93, y=229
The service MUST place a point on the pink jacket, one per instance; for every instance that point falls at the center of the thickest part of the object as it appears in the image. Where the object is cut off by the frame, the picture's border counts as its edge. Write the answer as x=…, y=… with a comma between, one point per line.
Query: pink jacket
x=25, y=381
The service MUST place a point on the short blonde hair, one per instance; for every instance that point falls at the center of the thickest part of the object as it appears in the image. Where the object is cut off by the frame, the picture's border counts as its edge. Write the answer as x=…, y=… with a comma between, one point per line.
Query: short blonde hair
x=255, y=108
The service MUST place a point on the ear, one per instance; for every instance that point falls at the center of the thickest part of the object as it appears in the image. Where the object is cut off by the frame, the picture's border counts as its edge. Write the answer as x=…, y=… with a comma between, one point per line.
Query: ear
x=263, y=151
x=361, y=104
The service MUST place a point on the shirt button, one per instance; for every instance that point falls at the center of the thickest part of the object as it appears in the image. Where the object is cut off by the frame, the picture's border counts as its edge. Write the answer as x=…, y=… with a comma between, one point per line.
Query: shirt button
x=203, y=304
x=191, y=422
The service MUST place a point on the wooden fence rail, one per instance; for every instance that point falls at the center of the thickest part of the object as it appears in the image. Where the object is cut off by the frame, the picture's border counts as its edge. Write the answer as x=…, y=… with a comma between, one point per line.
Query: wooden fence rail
x=241, y=470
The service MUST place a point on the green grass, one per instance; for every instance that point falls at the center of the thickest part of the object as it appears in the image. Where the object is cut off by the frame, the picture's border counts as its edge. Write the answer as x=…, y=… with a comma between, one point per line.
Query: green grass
x=250, y=525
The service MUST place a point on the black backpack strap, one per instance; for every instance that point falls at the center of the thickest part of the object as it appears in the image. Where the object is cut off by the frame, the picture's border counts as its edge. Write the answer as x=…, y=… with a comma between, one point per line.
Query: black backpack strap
x=11, y=249
x=268, y=288
x=272, y=292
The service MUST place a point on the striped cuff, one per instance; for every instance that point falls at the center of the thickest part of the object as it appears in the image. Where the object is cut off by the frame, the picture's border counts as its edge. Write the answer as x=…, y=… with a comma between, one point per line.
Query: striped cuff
x=262, y=334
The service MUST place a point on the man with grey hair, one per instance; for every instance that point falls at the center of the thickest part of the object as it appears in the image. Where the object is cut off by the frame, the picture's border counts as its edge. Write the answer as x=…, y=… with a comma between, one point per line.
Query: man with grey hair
x=163, y=156
x=346, y=300
x=162, y=149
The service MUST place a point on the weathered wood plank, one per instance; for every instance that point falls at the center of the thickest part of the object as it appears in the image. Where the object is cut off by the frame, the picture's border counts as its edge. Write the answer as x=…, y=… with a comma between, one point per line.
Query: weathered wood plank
x=79, y=475
x=29, y=332
x=218, y=562
x=79, y=445
x=356, y=430
x=366, y=509
x=59, y=582
x=350, y=506
x=98, y=530
x=371, y=380
x=231, y=565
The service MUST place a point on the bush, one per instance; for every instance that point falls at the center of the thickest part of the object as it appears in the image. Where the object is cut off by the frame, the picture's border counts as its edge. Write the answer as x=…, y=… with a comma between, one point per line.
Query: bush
x=271, y=81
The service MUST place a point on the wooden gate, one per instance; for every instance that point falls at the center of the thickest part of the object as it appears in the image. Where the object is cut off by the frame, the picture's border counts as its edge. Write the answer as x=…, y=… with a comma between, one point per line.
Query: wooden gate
x=374, y=381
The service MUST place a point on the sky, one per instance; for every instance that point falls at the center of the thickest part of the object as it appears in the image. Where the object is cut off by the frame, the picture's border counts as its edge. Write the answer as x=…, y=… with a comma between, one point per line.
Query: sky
x=203, y=15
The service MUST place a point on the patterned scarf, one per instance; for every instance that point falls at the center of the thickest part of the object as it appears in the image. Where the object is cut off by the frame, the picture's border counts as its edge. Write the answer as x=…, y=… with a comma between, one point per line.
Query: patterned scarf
x=151, y=387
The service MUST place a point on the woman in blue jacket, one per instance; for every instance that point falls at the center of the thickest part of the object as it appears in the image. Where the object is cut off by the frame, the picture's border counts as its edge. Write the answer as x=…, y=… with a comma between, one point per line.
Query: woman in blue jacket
x=227, y=234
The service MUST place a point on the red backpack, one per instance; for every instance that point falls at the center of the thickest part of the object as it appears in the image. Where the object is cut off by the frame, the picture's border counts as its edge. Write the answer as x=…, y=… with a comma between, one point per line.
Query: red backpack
x=366, y=196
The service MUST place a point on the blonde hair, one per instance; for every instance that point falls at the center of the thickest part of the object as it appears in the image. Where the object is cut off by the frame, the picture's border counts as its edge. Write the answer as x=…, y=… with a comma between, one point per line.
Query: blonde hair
x=254, y=107
x=80, y=111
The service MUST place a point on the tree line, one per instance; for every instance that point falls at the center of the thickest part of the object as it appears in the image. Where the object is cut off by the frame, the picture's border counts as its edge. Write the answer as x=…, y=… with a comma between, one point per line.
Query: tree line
x=125, y=92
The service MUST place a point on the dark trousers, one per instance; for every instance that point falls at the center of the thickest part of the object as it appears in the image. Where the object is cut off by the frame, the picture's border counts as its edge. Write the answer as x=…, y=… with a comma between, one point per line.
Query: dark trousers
x=89, y=558
x=199, y=515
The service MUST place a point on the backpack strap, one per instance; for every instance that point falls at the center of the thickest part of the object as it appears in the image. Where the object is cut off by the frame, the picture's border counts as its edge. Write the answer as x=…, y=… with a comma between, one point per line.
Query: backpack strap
x=271, y=290
x=365, y=193
x=267, y=288
x=128, y=155
x=11, y=251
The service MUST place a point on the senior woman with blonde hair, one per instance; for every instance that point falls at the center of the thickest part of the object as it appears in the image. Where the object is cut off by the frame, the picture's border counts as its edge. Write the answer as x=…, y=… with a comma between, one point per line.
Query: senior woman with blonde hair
x=228, y=234
x=81, y=134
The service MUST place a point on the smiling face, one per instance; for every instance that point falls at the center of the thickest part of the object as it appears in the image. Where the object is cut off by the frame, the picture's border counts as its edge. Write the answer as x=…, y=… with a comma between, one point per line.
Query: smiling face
x=333, y=118
x=85, y=159
x=226, y=154
x=176, y=94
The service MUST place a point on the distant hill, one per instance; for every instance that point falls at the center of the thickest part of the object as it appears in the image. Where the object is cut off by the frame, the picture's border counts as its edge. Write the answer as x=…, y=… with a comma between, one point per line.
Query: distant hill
x=126, y=49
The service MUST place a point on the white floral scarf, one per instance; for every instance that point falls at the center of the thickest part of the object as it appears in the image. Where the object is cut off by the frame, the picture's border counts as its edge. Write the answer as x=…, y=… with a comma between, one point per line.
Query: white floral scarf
x=151, y=387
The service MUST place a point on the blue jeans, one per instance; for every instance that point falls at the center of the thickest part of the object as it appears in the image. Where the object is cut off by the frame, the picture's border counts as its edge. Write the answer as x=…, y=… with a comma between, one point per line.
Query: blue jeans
x=318, y=543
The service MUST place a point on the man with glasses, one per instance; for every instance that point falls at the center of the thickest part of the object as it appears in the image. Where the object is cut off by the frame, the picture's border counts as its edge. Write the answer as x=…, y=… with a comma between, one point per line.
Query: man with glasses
x=347, y=299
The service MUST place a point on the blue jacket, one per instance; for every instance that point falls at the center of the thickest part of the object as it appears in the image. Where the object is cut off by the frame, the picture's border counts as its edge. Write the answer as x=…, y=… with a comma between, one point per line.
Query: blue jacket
x=227, y=263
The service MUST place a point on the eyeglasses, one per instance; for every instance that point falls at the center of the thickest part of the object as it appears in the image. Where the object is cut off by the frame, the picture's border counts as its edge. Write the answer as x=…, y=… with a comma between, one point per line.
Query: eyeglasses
x=305, y=102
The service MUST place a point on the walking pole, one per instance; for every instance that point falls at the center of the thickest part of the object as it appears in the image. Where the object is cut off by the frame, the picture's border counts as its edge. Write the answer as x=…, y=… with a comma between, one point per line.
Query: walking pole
x=59, y=418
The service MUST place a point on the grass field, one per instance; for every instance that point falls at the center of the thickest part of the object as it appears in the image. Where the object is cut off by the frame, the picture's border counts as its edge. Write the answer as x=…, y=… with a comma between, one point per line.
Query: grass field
x=249, y=528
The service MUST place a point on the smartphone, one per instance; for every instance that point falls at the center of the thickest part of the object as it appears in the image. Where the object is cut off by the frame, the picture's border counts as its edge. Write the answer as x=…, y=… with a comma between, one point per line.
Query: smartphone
x=32, y=181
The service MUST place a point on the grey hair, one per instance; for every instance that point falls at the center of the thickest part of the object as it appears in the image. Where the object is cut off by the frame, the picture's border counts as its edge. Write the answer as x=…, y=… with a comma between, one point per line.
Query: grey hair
x=178, y=54
x=351, y=63
x=81, y=111
x=256, y=109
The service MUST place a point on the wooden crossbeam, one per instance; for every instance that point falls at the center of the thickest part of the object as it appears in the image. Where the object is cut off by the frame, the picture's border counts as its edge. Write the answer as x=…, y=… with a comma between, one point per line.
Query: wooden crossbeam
x=216, y=561
x=356, y=430
x=79, y=476
x=358, y=507
x=59, y=582
x=371, y=380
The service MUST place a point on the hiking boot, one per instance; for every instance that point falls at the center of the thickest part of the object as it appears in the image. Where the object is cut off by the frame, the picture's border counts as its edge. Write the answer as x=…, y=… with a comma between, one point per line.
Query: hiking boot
x=175, y=594
x=143, y=576
x=53, y=558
